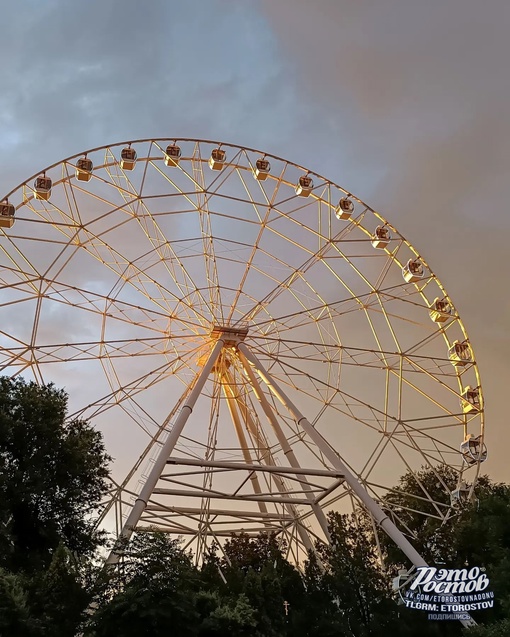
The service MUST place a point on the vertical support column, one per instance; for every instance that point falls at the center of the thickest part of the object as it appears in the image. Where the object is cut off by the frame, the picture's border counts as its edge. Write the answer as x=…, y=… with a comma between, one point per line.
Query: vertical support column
x=166, y=450
x=280, y=485
x=380, y=516
x=287, y=449
x=232, y=406
x=336, y=461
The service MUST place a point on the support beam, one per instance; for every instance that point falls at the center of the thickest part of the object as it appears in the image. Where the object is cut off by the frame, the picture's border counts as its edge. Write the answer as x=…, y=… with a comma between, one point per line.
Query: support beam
x=329, y=490
x=183, y=493
x=232, y=407
x=233, y=513
x=228, y=534
x=287, y=449
x=165, y=451
x=279, y=483
x=119, y=488
x=379, y=515
x=237, y=466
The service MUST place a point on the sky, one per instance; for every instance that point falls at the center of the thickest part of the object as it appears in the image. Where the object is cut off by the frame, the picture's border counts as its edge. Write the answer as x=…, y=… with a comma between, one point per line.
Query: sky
x=403, y=103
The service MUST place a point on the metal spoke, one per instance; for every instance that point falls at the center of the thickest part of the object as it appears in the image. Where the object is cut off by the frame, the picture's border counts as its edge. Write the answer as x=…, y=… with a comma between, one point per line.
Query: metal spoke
x=138, y=282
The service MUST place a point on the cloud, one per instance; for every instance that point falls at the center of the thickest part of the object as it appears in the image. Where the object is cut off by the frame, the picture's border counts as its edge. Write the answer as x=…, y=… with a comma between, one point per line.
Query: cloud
x=403, y=103
x=414, y=101
x=87, y=75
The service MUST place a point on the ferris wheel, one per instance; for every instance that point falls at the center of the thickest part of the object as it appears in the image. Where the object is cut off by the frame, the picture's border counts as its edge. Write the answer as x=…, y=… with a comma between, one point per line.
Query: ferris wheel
x=257, y=344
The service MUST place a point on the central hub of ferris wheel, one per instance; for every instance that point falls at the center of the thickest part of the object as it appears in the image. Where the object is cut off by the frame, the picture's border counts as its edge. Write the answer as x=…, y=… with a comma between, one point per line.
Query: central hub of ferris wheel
x=222, y=238
x=230, y=336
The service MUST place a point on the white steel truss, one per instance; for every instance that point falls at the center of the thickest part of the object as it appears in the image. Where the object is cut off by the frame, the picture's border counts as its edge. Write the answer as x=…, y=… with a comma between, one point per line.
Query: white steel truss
x=156, y=507
x=247, y=295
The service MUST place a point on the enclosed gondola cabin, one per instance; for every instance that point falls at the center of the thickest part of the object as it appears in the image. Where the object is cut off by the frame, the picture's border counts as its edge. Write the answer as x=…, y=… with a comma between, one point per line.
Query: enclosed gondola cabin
x=381, y=237
x=459, y=495
x=399, y=583
x=344, y=209
x=460, y=353
x=473, y=450
x=6, y=214
x=172, y=155
x=262, y=168
x=84, y=169
x=413, y=271
x=217, y=159
x=440, y=310
x=470, y=400
x=42, y=187
x=304, y=186
x=128, y=158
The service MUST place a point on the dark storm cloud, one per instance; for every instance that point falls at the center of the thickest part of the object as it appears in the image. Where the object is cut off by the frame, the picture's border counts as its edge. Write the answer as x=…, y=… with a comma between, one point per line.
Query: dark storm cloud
x=414, y=101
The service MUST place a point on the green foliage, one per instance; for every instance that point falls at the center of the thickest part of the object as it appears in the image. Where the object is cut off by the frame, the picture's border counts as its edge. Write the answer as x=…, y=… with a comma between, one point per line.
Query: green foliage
x=52, y=475
x=233, y=616
x=353, y=581
x=477, y=535
x=251, y=582
x=153, y=592
x=58, y=596
x=424, y=492
x=15, y=615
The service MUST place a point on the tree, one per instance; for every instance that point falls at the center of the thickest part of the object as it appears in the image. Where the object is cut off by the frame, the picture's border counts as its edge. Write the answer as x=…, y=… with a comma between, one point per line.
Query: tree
x=58, y=596
x=153, y=593
x=15, y=616
x=416, y=506
x=477, y=534
x=319, y=614
x=234, y=617
x=255, y=567
x=53, y=473
x=354, y=582
x=499, y=629
x=481, y=537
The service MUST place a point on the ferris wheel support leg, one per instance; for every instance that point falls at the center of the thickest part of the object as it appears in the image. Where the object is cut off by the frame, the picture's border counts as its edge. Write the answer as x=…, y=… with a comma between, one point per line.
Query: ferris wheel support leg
x=287, y=449
x=280, y=485
x=379, y=515
x=231, y=403
x=166, y=450
x=116, y=500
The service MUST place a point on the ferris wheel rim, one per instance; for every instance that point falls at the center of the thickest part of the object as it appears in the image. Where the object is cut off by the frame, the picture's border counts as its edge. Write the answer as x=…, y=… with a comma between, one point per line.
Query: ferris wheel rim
x=155, y=141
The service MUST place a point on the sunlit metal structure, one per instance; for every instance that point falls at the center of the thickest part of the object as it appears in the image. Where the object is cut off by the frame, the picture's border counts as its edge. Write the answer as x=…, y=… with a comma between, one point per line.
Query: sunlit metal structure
x=255, y=353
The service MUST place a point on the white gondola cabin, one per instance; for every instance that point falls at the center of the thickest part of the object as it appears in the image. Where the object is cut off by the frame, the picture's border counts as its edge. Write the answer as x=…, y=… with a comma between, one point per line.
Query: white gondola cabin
x=42, y=187
x=460, y=494
x=172, y=155
x=473, y=450
x=413, y=271
x=262, y=169
x=84, y=168
x=470, y=400
x=460, y=353
x=217, y=159
x=399, y=584
x=344, y=209
x=128, y=158
x=304, y=186
x=440, y=311
x=381, y=237
x=6, y=214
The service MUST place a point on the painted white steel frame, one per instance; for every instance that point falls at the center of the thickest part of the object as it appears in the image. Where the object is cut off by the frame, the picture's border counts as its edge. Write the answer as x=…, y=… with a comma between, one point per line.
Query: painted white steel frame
x=342, y=473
